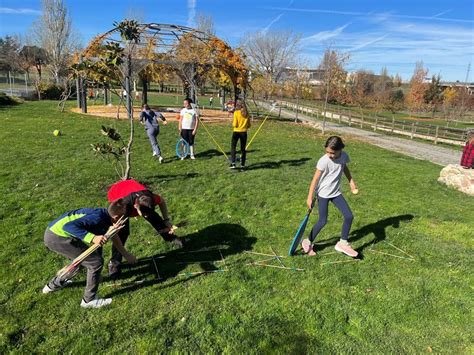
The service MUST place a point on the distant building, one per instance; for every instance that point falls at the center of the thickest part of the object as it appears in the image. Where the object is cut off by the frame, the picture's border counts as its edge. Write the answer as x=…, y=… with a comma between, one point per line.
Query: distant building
x=313, y=77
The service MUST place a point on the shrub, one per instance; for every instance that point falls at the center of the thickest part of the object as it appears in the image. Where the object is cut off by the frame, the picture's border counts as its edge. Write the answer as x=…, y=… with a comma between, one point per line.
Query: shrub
x=50, y=91
x=6, y=100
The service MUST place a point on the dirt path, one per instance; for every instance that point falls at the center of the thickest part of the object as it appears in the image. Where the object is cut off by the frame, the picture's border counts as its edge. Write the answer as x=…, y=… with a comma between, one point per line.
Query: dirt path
x=424, y=151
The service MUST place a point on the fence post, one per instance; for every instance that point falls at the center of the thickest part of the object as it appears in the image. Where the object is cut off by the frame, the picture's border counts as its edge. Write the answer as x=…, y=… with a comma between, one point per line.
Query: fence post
x=393, y=123
x=436, y=135
x=362, y=121
x=340, y=116
x=412, y=130
x=350, y=118
x=376, y=121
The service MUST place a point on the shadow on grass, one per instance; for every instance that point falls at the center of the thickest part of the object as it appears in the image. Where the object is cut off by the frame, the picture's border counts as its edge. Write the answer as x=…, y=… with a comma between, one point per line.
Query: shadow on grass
x=202, y=248
x=210, y=153
x=277, y=164
x=378, y=229
x=150, y=180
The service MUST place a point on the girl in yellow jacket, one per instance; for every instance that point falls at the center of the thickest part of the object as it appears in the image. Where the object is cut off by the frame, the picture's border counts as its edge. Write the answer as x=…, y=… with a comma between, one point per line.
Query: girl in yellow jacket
x=241, y=124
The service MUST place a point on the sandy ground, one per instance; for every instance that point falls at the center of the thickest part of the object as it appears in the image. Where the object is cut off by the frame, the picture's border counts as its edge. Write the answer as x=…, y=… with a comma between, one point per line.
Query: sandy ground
x=207, y=115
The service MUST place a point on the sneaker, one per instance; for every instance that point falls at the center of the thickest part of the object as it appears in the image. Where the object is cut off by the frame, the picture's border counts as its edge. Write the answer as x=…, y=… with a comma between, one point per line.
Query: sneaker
x=154, y=154
x=182, y=158
x=47, y=289
x=344, y=247
x=114, y=269
x=242, y=167
x=193, y=157
x=96, y=303
x=232, y=166
x=308, y=247
x=160, y=159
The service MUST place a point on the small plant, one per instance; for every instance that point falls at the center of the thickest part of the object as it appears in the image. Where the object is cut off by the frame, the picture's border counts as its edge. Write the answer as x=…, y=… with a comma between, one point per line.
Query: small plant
x=112, y=151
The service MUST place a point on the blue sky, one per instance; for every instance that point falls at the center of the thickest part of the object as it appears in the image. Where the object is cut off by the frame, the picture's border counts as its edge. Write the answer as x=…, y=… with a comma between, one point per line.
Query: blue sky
x=391, y=33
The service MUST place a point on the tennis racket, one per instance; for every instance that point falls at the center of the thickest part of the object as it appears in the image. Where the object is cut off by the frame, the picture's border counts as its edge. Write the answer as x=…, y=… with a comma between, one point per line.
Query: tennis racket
x=182, y=148
x=300, y=232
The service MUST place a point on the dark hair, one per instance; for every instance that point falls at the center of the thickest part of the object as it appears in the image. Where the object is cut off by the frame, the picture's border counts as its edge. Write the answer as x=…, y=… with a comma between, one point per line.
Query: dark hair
x=190, y=101
x=146, y=107
x=335, y=143
x=118, y=208
x=146, y=201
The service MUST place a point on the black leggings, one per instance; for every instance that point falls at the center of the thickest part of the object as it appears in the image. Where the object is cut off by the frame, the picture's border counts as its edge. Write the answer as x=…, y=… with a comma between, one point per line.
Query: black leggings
x=187, y=135
x=243, y=142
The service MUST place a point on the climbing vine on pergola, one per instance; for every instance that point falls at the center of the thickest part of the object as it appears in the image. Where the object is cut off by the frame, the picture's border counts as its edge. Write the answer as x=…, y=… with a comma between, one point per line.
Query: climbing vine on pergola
x=131, y=49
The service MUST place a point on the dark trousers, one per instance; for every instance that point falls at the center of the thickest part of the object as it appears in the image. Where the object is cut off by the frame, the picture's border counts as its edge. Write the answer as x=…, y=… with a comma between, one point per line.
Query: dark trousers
x=154, y=219
x=152, y=133
x=342, y=206
x=242, y=136
x=71, y=248
x=187, y=135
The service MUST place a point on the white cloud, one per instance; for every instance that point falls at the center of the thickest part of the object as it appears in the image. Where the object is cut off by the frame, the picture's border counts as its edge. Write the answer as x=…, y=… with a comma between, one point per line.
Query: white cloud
x=324, y=35
x=191, y=12
x=9, y=10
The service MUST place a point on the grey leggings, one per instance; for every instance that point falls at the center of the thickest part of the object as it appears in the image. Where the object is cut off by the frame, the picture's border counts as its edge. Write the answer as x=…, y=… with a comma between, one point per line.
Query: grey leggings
x=342, y=205
x=152, y=133
x=72, y=248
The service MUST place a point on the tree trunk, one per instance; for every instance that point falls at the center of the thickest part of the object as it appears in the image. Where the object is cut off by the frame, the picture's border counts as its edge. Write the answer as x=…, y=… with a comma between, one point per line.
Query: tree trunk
x=144, y=91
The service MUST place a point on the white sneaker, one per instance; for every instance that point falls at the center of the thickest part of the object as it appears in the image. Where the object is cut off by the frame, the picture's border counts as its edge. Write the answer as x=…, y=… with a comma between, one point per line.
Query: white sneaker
x=182, y=158
x=47, y=289
x=160, y=159
x=154, y=154
x=193, y=157
x=96, y=303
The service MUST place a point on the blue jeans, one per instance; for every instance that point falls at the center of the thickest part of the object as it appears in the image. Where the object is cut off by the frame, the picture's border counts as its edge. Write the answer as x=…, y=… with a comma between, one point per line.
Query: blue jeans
x=342, y=206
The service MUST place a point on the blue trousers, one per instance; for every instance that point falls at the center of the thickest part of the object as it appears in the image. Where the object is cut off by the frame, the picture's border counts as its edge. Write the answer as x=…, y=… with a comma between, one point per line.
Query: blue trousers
x=342, y=206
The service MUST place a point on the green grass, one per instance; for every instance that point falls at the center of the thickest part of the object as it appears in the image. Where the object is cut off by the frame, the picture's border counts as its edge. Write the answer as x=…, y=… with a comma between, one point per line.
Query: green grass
x=381, y=304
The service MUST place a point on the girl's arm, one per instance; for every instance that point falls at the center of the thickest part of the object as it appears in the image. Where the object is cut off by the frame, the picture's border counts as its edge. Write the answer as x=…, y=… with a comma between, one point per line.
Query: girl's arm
x=312, y=187
x=196, y=125
x=164, y=212
x=118, y=244
x=180, y=122
x=352, y=183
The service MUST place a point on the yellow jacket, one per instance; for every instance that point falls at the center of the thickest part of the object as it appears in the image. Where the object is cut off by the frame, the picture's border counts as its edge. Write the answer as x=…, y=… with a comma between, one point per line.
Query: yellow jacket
x=240, y=123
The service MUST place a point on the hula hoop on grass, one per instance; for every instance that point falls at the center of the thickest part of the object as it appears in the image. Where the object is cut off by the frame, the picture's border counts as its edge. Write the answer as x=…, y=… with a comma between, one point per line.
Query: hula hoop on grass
x=182, y=148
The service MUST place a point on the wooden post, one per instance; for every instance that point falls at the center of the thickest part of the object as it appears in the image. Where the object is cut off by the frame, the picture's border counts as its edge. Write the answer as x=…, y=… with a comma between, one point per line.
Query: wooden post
x=340, y=118
x=350, y=118
x=436, y=135
x=376, y=121
x=412, y=130
x=393, y=123
x=362, y=121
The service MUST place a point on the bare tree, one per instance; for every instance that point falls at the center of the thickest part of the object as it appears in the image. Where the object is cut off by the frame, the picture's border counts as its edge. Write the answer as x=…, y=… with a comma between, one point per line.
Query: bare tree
x=54, y=33
x=271, y=52
x=205, y=23
x=334, y=77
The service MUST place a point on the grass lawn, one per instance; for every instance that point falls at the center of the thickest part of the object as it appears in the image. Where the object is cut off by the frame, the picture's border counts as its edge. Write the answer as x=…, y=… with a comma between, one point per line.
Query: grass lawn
x=380, y=304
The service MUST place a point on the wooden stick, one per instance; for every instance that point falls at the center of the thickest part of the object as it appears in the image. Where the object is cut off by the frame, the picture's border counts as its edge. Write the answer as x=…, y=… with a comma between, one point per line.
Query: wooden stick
x=124, y=283
x=156, y=268
x=260, y=261
x=277, y=257
x=395, y=256
x=399, y=249
x=222, y=256
x=340, y=262
x=280, y=267
x=197, y=251
x=200, y=272
x=198, y=261
x=252, y=252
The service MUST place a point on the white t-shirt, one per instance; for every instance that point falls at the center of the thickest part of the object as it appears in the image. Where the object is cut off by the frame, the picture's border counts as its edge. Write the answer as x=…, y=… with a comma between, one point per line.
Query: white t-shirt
x=188, y=118
x=329, y=184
